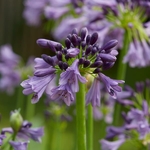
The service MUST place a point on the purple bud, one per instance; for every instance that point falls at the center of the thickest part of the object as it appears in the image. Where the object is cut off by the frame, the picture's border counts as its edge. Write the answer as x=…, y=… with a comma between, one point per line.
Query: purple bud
x=97, y=70
x=73, y=52
x=83, y=44
x=109, y=45
x=96, y=64
x=47, y=44
x=59, y=55
x=81, y=61
x=107, y=57
x=86, y=63
x=65, y=65
x=94, y=50
x=58, y=47
x=74, y=31
x=69, y=36
x=64, y=51
x=88, y=38
x=84, y=32
x=60, y=64
x=68, y=43
x=94, y=38
x=108, y=65
x=88, y=50
x=48, y=59
x=74, y=40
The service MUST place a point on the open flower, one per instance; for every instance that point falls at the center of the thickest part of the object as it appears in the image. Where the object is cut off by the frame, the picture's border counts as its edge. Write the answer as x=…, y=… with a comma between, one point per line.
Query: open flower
x=71, y=76
x=111, y=85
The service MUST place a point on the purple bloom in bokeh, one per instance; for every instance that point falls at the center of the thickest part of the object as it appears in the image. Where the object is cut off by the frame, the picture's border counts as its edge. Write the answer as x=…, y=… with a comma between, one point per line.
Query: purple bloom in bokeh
x=10, y=75
x=71, y=77
x=93, y=96
x=106, y=145
x=55, y=12
x=19, y=145
x=2, y=137
x=26, y=132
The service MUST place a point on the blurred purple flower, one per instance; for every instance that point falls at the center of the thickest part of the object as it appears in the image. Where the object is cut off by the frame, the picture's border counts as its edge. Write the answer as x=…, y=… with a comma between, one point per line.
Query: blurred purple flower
x=55, y=12
x=19, y=145
x=26, y=132
x=106, y=145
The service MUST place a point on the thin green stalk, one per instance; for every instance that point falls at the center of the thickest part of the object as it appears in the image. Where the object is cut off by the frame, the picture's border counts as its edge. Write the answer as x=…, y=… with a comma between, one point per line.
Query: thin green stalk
x=121, y=73
x=90, y=128
x=80, y=118
x=30, y=108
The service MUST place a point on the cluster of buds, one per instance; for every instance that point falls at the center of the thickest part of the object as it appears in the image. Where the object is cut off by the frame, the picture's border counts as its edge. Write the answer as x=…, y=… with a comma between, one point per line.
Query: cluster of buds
x=82, y=55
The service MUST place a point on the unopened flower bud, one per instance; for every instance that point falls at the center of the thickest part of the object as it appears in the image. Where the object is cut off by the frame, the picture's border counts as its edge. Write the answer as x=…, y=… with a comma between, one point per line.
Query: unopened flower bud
x=108, y=46
x=88, y=38
x=84, y=32
x=16, y=120
x=94, y=38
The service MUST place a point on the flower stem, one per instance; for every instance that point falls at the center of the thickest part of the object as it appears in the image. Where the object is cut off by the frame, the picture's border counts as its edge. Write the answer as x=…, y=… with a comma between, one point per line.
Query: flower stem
x=80, y=109
x=30, y=108
x=90, y=128
x=121, y=73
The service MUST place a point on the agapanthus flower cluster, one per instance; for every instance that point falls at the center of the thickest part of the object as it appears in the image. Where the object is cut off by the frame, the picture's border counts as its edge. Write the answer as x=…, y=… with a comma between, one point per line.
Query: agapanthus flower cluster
x=9, y=75
x=21, y=132
x=80, y=56
x=136, y=124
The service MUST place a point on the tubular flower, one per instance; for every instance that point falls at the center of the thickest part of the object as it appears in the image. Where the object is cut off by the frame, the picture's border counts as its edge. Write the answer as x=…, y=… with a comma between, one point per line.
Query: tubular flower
x=81, y=55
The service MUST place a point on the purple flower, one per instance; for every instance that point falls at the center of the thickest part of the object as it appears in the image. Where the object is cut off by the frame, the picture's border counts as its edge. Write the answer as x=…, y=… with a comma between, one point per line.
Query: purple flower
x=26, y=132
x=72, y=52
x=2, y=137
x=19, y=145
x=111, y=85
x=55, y=12
x=93, y=94
x=66, y=26
x=43, y=75
x=8, y=57
x=71, y=77
x=106, y=145
x=63, y=92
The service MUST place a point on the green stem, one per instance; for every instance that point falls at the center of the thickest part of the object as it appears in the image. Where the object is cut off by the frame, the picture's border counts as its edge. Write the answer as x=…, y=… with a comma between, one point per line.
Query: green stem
x=30, y=108
x=121, y=73
x=80, y=109
x=90, y=128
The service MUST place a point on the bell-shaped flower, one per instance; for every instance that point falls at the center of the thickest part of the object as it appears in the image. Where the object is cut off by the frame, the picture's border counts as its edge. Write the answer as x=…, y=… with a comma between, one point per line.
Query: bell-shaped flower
x=93, y=94
x=106, y=145
x=37, y=84
x=19, y=145
x=71, y=77
x=111, y=85
x=63, y=92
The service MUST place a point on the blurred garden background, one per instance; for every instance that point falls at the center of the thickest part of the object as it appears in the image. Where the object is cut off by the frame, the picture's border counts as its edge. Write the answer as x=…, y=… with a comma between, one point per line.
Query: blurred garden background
x=22, y=37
